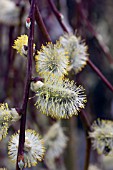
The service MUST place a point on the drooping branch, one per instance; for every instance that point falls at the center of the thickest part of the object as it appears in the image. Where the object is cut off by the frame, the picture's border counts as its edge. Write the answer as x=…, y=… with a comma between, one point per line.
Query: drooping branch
x=97, y=71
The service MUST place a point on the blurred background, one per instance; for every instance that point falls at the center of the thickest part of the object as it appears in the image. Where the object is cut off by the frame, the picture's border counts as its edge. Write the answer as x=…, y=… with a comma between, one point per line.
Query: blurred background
x=93, y=20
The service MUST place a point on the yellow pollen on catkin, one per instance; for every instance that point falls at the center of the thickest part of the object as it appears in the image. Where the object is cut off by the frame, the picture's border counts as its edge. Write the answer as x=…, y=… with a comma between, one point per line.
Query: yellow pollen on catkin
x=19, y=43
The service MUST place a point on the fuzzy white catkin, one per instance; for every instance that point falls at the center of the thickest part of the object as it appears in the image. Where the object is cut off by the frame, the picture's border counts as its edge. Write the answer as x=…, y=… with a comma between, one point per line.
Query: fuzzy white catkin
x=102, y=136
x=33, y=148
x=60, y=98
x=77, y=51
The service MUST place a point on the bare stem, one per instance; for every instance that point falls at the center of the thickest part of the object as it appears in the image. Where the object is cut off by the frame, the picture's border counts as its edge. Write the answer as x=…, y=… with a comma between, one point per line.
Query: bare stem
x=98, y=72
x=41, y=24
x=20, y=155
x=58, y=15
x=86, y=123
x=85, y=120
x=88, y=151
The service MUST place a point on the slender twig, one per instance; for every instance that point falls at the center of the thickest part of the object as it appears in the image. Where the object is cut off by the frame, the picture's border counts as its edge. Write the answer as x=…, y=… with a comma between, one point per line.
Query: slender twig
x=87, y=153
x=90, y=28
x=86, y=123
x=57, y=14
x=27, y=87
x=85, y=120
x=97, y=71
x=41, y=24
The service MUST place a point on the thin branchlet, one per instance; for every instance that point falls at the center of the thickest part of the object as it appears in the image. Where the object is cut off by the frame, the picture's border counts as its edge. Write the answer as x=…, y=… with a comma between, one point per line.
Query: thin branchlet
x=20, y=155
